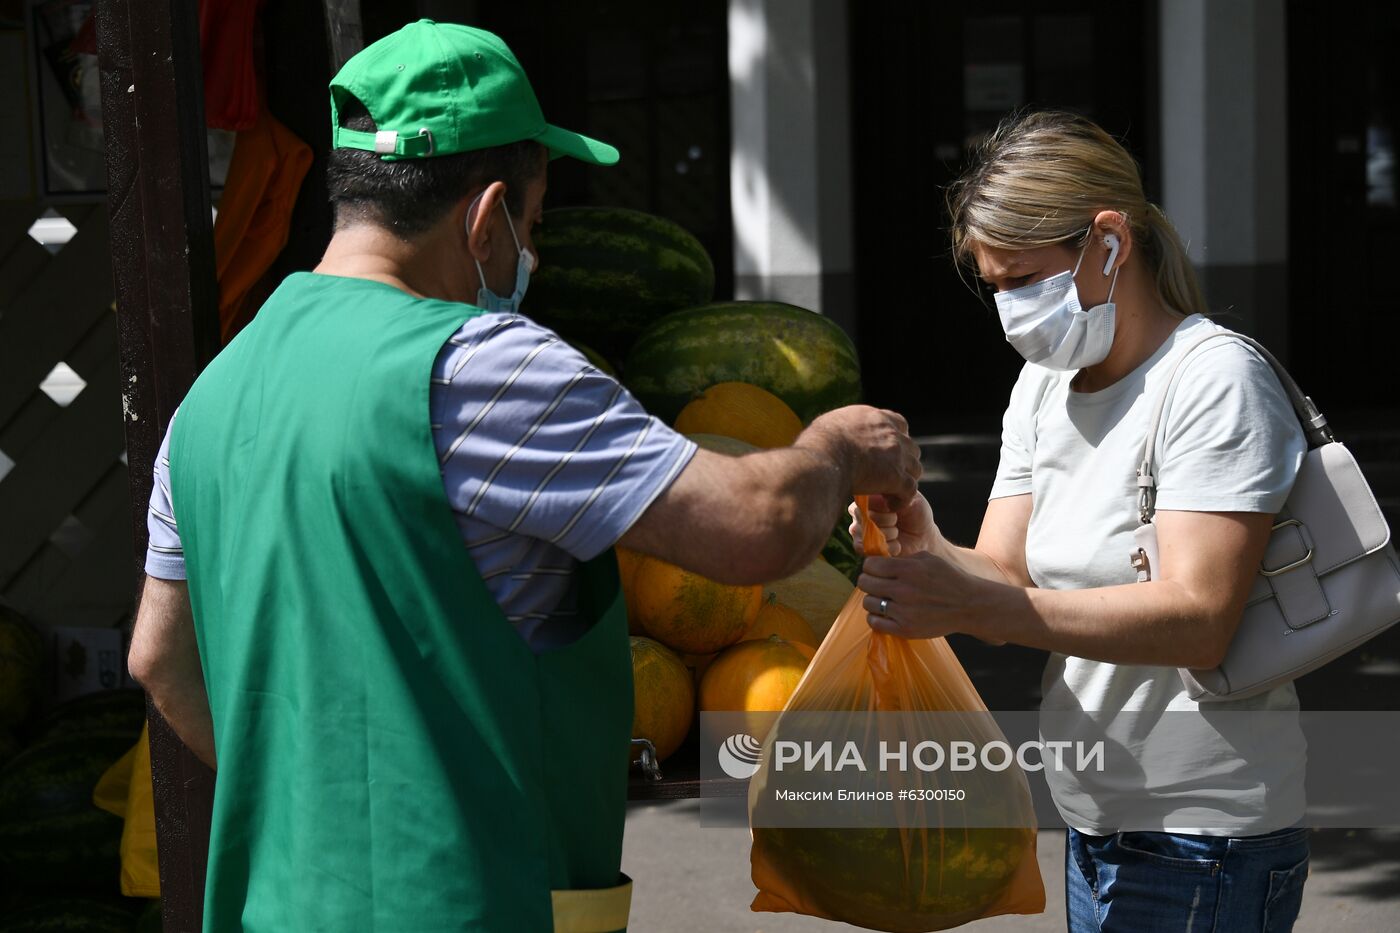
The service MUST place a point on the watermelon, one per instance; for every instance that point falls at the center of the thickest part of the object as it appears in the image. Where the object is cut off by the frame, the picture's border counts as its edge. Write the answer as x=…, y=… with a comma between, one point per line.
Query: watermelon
x=801, y=357
x=884, y=878
x=840, y=552
x=605, y=273
x=21, y=667
x=69, y=914
x=117, y=711
x=51, y=834
x=596, y=358
x=151, y=920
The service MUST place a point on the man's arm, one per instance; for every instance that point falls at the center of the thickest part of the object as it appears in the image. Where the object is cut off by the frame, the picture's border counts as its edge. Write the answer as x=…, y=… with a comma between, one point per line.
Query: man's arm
x=1186, y=618
x=164, y=659
x=766, y=515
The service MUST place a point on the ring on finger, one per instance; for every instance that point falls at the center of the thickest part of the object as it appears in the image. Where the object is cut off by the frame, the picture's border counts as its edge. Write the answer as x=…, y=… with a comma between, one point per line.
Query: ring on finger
x=884, y=606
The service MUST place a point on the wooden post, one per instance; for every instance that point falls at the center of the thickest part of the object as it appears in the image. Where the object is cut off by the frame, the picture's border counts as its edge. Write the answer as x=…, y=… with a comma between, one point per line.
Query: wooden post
x=168, y=325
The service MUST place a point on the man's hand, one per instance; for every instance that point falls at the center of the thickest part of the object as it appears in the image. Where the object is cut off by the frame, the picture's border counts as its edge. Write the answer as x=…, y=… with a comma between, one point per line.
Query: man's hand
x=908, y=530
x=765, y=515
x=874, y=447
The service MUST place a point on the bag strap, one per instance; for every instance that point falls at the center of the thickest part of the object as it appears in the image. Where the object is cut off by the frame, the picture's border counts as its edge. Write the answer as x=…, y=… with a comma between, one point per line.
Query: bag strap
x=1314, y=424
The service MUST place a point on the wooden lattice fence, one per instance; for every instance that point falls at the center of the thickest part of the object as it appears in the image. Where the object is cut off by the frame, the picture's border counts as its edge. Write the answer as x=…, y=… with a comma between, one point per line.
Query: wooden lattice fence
x=65, y=527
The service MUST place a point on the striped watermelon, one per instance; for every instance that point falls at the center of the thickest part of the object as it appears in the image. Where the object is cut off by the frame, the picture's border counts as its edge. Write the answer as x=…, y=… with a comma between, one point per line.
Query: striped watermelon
x=21, y=667
x=798, y=355
x=70, y=914
x=840, y=552
x=596, y=358
x=606, y=273
x=122, y=711
x=151, y=920
x=51, y=834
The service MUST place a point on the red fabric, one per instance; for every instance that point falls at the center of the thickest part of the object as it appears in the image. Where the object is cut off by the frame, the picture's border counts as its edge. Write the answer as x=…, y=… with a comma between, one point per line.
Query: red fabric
x=226, y=29
x=85, y=42
x=255, y=213
x=226, y=37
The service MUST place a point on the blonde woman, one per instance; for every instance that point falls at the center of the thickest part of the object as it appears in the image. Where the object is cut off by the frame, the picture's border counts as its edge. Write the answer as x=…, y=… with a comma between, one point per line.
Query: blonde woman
x=1094, y=289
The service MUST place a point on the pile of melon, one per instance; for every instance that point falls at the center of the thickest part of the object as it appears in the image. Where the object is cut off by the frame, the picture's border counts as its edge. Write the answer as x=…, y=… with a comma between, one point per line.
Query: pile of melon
x=635, y=294
x=59, y=853
x=702, y=646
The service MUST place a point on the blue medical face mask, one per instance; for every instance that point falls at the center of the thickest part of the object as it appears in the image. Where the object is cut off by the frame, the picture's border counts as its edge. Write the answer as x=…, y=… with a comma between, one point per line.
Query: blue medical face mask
x=1046, y=324
x=488, y=300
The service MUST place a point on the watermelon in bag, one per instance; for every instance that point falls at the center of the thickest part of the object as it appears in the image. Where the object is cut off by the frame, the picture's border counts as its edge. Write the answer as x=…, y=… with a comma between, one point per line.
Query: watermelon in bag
x=933, y=865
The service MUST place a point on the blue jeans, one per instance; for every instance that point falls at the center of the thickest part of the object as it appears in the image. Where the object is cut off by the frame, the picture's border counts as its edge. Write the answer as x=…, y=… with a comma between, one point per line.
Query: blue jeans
x=1149, y=882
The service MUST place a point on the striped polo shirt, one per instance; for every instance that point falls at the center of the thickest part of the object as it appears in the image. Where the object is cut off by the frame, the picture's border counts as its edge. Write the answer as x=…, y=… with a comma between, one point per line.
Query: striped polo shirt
x=546, y=462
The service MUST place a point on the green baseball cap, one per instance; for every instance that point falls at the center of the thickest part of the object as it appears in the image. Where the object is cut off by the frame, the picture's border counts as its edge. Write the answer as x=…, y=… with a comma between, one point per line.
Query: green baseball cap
x=442, y=88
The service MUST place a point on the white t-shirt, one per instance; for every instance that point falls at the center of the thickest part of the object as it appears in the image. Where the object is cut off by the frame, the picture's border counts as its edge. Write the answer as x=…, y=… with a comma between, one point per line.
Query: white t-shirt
x=1229, y=442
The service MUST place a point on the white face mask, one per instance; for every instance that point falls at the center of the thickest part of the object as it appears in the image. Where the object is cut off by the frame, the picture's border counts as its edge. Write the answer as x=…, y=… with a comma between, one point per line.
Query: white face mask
x=524, y=265
x=1046, y=324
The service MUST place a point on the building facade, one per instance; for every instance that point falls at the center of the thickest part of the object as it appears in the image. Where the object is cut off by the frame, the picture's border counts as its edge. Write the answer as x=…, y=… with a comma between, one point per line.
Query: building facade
x=1264, y=128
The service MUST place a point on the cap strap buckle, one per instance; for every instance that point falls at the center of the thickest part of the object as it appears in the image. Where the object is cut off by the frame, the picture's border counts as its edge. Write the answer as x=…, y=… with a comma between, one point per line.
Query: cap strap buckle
x=387, y=143
x=414, y=146
x=416, y=143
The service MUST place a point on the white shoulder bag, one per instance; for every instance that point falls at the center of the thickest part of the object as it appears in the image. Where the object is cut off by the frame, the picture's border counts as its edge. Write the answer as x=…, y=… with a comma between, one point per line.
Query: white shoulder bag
x=1329, y=580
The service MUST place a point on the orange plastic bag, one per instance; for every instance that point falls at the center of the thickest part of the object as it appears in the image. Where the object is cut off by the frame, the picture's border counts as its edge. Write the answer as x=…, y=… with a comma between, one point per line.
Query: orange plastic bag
x=934, y=870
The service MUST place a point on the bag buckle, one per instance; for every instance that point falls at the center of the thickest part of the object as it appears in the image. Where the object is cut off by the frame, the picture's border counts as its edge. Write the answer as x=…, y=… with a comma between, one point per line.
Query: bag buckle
x=1141, y=564
x=1265, y=572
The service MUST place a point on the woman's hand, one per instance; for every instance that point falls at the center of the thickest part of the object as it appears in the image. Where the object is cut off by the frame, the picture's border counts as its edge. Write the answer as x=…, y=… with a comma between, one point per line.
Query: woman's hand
x=907, y=531
x=927, y=596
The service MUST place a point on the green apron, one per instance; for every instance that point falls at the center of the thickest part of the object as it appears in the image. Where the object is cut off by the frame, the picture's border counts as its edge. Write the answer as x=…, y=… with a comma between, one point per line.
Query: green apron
x=392, y=755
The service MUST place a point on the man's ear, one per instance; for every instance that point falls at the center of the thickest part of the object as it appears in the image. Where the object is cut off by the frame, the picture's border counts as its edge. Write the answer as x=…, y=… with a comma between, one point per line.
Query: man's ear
x=1106, y=222
x=478, y=214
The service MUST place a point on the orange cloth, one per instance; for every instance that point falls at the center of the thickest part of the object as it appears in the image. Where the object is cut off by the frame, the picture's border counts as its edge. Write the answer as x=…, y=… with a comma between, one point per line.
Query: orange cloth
x=255, y=213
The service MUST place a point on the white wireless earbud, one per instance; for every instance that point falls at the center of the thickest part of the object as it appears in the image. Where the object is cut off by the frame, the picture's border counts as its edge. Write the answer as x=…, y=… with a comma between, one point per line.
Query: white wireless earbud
x=1111, y=241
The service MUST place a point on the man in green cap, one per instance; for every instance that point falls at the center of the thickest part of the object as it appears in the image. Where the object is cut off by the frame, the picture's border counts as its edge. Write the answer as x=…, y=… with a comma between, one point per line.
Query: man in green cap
x=381, y=595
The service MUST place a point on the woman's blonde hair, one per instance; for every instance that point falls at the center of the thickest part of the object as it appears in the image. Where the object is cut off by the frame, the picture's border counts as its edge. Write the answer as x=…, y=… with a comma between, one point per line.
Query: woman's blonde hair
x=1040, y=178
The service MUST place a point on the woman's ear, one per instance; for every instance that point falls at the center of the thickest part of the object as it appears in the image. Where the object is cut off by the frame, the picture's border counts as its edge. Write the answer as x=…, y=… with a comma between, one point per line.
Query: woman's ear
x=478, y=215
x=1106, y=224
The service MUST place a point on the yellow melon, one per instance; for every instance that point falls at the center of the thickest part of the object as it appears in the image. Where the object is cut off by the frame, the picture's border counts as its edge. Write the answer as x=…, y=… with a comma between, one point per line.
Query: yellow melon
x=787, y=623
x=627, y=563
x=663, y=695
x=754, y=676
x=742, y=411
x=818, y=592
x=688, y=612
x=698, y=663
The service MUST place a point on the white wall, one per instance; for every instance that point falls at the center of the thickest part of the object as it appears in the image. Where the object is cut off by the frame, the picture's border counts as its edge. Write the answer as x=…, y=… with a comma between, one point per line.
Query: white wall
x=1224, y=153
x=790, y=159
